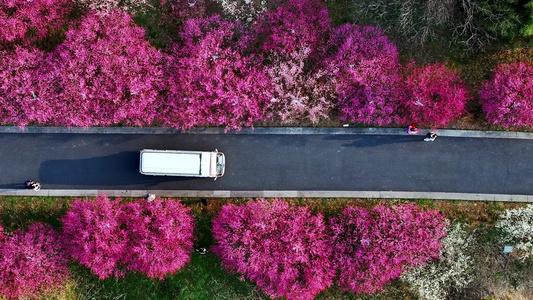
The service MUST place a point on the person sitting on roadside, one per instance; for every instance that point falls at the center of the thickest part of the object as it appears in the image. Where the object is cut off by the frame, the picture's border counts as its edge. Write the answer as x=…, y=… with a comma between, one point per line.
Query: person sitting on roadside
x=412, y=129
x=30, y=184
x=430, y=136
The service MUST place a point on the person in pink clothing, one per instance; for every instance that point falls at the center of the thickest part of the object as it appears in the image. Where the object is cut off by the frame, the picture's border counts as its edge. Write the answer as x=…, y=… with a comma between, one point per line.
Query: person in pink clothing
x=412, y=129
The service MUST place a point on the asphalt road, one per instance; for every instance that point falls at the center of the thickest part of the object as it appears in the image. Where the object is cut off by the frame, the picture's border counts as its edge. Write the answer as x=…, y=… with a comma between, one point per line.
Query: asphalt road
x=275, y=162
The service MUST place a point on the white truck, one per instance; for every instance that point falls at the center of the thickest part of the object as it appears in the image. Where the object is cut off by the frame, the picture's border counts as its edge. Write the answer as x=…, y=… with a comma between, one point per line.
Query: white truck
x=182, y=163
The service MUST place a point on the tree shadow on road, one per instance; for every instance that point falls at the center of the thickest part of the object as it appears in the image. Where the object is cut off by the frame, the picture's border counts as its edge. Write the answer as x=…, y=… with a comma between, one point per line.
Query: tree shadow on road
x=375, y=140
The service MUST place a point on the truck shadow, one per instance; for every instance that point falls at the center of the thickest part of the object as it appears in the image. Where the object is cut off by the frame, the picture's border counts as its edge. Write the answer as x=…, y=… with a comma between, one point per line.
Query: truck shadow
x=120, y=169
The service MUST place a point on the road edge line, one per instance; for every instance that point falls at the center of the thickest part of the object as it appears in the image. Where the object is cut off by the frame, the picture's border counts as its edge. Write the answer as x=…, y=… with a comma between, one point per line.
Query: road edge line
x=270, y=194
x=264, y=131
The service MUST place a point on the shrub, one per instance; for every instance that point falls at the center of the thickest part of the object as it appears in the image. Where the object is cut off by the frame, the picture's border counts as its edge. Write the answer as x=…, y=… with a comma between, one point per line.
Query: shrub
x=209, y=82
x=2, y=235
x=453, y=271
x=435, y=95
x=94, y=237
x=32, y=262
x=373, y=247
x=19, y=85
x=507, y=98
x=365, y=65
x=25, y=21
x=160, y=236
x=283, y=249
x=517, y=229
x=104, y=73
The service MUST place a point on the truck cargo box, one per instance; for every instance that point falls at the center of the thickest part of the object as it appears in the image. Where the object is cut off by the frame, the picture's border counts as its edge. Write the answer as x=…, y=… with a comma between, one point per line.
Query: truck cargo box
x=182, y=163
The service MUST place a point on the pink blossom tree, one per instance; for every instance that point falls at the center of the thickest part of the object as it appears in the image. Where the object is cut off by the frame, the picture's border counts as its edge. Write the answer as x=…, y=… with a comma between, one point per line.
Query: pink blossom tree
x=507, y=98
x=32, y=262
x=366, y=67
x=294, y=25
x=292, y=38
x=211, y=83
x=94, y=237
x=19, y=84
x=283, y=249
x=160, y=236
x=184, y=10
x=370, y=248
x=298, y=93
x=154, y=238
x=436, y=95
x=105, y=73
x=24, y=21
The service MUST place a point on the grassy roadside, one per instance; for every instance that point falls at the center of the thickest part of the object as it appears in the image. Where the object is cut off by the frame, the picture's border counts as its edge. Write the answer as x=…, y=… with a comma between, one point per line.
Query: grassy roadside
x=203, y=277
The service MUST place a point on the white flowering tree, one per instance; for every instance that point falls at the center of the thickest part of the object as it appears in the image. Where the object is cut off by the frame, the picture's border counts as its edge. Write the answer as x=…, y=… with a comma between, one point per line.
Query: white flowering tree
x=516, y=226
x=106, y=6
x=452, y=270
x=244, y=10
x=296, y=93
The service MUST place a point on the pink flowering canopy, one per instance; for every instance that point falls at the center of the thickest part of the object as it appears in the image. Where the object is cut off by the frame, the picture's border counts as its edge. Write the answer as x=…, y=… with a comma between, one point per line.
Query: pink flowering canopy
x=94, y=237
x=435, y=95
x=298, y=93
x=19, y=85
x=283, y=249
x=154, y=238
x=104, y=73
x=209, y=82
x=372, y=247
x=183, y=10
x=160, y=236
x=294, y=25
x=292, y=38
x=366, y=67
x=32, y=262
x=23, y=21
x=507, y=98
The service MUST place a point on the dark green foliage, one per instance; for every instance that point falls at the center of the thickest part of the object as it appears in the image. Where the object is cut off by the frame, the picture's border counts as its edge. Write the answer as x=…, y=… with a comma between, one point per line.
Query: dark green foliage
x=455, y=24
x=161, y=28
x=527, y=29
